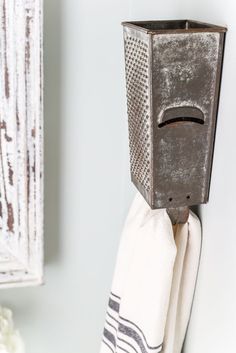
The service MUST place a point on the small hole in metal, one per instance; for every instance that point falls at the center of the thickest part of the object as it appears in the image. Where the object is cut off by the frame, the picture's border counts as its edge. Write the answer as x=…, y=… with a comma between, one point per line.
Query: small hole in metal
x=188, y=197
x=170, y=199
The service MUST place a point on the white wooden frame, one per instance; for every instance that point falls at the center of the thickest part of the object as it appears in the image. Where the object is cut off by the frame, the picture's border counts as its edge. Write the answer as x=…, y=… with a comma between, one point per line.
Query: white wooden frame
x=21, y=135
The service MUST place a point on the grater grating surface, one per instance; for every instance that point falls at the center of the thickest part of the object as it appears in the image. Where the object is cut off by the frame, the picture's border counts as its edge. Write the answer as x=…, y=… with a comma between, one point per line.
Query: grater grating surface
x=136, y=60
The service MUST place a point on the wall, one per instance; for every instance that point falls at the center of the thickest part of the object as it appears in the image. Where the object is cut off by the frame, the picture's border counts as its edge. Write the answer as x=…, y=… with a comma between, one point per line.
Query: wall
x=87, y=187
x=213, y=321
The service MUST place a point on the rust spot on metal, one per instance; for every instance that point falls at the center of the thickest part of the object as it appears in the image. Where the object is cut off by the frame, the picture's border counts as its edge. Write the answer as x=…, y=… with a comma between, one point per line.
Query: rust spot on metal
x=178, y=215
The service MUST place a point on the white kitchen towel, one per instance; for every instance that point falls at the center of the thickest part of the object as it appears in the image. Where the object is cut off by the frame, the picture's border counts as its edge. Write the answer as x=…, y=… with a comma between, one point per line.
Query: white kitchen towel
x=153, y=285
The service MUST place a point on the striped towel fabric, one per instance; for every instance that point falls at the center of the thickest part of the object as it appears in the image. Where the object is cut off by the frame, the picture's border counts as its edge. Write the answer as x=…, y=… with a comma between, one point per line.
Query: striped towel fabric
x=154, y=282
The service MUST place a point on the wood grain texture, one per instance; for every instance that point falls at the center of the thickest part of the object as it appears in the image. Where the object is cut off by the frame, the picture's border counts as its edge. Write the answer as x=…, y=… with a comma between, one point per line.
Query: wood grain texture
x=21, y=135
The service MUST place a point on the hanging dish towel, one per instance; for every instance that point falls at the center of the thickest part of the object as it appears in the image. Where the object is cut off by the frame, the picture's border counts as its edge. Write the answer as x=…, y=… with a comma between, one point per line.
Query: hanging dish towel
x=154, y=281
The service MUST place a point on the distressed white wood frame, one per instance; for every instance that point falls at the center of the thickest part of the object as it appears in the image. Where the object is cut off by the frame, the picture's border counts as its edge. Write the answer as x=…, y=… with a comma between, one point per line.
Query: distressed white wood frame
x=21, y=136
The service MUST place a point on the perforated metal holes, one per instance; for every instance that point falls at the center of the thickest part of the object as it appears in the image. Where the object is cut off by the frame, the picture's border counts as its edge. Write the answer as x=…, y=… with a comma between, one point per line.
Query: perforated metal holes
x=136, y=60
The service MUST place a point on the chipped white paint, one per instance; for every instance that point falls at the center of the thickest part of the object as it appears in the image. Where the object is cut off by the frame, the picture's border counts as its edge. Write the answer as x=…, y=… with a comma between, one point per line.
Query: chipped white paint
x=21, y=168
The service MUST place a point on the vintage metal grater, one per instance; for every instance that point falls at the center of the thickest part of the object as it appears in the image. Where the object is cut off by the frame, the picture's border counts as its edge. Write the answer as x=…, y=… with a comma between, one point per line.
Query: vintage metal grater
x=173, y=74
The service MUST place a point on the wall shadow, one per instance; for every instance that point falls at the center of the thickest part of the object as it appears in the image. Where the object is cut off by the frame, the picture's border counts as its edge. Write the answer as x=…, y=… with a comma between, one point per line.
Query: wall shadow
x=52, y=126
x=197, y=210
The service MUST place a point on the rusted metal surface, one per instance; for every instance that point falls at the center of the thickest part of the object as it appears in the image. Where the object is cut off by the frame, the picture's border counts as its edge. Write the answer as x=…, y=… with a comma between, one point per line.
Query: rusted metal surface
x=178, y=215
x=21, y=172
x=173, y=72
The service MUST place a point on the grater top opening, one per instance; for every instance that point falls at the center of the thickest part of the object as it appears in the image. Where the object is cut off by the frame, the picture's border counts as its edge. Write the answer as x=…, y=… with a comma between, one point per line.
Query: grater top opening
x=173, y=26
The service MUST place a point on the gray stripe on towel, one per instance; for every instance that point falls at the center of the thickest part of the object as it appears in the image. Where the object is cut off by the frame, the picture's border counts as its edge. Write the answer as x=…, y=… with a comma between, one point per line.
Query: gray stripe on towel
x=132, y=333
x=109, y=336
x=124, y=350
x=116, y=296
x=114, y=305
x=129, y=332
x=108, y=346
x=136, y=327
x=130, y=345
x=120, y=339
